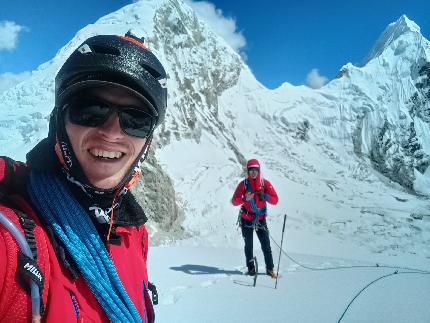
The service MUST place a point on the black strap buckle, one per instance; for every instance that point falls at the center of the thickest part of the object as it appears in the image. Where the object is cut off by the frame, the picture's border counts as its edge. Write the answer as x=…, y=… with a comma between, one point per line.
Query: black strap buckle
x=154, y=293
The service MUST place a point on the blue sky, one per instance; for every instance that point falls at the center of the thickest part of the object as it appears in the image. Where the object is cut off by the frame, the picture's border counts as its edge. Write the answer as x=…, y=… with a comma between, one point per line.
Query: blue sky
x=282, y=41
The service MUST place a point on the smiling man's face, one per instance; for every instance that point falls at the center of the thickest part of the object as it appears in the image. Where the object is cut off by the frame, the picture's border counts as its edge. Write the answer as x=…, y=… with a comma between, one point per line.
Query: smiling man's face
x=106, y=153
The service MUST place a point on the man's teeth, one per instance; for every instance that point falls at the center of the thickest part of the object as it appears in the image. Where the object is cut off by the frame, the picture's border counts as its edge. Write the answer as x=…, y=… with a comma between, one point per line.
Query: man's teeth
x=106, y=154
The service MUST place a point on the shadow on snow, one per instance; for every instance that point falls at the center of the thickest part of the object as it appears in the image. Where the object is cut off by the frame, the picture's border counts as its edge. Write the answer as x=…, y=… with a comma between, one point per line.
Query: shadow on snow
x=204, y=270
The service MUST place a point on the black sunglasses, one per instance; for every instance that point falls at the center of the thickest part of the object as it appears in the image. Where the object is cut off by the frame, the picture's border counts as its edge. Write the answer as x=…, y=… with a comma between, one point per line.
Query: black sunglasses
x=250, y=169
x=93, y=112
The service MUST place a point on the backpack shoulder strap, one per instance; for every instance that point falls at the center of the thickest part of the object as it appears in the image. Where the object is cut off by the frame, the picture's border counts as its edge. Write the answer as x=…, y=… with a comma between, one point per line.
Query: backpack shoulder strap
x=247, y=186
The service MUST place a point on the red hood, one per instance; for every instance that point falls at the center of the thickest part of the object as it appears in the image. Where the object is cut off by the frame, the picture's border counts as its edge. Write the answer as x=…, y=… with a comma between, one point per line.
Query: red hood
x=252, y=163
x=255, y=183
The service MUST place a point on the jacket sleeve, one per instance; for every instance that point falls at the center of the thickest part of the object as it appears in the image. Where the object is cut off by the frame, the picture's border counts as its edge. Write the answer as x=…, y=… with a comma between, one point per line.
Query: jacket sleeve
x=270, y=194
x=238, y=196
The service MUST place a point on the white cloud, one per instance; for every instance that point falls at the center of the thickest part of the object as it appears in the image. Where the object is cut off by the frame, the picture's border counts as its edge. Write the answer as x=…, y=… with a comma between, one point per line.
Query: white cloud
x=9, y=31
x=223, y=26
x=315, y=80
x=9, y=80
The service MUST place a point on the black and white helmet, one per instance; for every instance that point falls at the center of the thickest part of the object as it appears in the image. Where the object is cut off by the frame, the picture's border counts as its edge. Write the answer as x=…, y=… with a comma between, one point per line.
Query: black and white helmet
x=122, y=61
x=106, y=60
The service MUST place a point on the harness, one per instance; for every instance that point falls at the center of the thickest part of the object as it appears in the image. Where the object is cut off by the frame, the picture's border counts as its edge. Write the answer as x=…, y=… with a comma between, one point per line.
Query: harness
x=256, y=211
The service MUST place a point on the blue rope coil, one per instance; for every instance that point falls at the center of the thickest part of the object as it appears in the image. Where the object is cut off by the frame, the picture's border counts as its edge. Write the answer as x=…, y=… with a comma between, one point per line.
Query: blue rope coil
x=75, y=229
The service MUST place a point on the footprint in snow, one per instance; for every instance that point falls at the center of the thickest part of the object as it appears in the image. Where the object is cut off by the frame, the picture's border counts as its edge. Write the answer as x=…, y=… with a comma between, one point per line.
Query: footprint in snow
x=293, y=267
x=207, y=283
x=178, y=288
x=169, y=299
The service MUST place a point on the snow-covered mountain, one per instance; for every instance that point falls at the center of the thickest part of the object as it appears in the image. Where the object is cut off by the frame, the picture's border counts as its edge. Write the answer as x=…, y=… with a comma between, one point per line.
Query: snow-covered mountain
x=349, y=161
x=388, y=99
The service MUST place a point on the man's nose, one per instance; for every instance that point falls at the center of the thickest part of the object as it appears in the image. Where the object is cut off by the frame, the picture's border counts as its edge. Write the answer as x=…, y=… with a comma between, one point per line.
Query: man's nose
x=111, y=129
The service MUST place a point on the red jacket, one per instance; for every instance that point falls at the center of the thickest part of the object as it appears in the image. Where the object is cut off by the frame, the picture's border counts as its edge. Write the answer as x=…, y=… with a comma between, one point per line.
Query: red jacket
x=269, y=196
x=65, y=299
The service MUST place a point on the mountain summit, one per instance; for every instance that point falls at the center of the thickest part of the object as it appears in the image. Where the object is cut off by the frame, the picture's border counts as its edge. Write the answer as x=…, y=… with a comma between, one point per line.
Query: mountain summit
x=394, y=30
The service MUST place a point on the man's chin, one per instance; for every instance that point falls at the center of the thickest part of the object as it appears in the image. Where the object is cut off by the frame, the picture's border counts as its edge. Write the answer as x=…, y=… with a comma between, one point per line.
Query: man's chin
x=105, y=182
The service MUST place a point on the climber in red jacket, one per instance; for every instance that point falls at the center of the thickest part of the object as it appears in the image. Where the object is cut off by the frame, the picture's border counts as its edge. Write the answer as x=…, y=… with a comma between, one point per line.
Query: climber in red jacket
x=253, y=193
x=80, y=240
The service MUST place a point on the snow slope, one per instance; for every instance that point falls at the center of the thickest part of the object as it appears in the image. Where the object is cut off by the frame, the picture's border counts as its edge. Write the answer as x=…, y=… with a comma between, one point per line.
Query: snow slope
x=198, y=284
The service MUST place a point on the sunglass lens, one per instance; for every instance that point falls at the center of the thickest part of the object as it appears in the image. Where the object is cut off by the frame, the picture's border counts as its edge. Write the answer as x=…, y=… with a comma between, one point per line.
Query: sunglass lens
x=136, y=122
x=89, y=113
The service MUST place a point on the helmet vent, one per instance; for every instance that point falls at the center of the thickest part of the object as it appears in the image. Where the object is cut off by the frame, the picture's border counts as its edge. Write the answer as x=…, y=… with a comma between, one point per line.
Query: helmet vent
x=151, y=71
x=105, y=50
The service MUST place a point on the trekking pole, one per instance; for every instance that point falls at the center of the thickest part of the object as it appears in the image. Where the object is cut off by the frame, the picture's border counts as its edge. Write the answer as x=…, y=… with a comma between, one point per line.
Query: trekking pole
x=280, y=250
